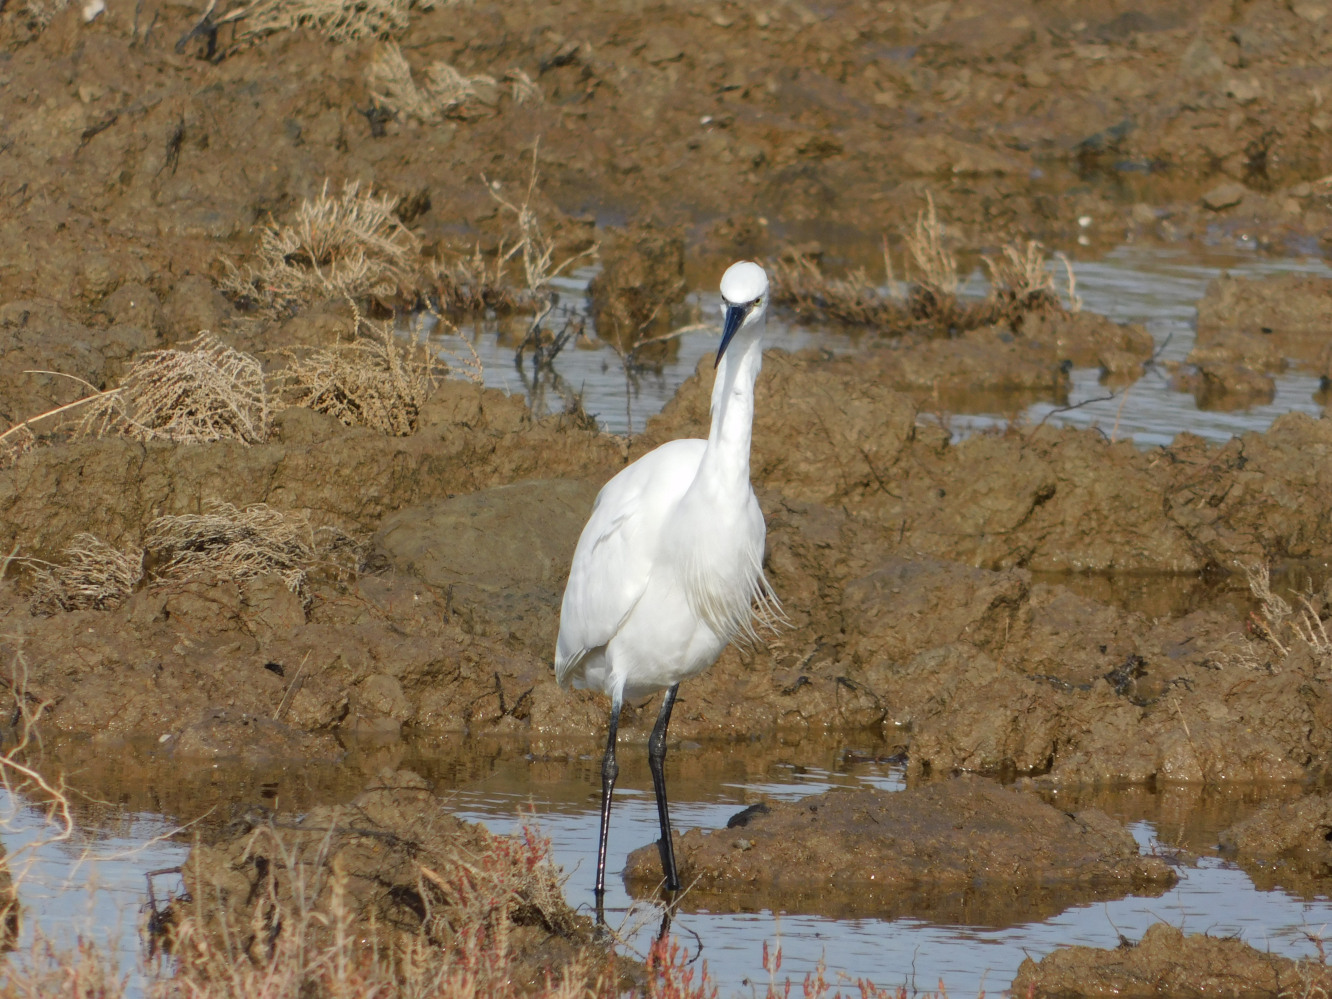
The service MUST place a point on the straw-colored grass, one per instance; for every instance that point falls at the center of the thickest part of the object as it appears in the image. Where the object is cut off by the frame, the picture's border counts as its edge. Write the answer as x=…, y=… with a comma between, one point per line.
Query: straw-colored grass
x=1286, y=626
x=204, y=392
x=377, y=378
x=336, y=20
x=92, y=575
x=349, y=245
x=234, y=544
x=225, y=542
x=444, y=92
x=1020, y=283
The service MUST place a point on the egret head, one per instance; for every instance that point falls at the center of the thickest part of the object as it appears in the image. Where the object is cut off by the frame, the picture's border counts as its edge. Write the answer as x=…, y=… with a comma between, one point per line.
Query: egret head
x=744, y=289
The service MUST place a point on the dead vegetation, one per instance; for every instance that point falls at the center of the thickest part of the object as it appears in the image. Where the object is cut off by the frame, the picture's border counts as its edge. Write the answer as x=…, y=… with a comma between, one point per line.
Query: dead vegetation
x=375, y=379
x=346, y=246
x=443, y=93
x=224, y=541
x=92, y=575
x=235, y=544
x=204, y=392
x=927, y=302
x=1287, y=626
x=386, y=896
x=336, y=20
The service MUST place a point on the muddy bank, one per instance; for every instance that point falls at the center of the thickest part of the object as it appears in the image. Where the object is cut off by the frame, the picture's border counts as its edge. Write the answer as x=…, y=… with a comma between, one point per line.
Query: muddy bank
x=1047, y=499
x=1184, y=120
x=1283, y=316
x=350, y=477
x=1285, y=844
x=1168, y=963
x=904, y=562
x=393, y=865
x=882, y=854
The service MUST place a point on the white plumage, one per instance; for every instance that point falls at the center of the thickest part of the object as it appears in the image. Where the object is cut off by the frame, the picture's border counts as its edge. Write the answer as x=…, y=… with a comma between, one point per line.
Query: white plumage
x=668, y=569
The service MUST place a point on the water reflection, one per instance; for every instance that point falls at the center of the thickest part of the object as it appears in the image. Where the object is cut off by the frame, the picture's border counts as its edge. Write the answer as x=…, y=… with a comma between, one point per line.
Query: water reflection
x=95, y=886
x=1157, y=287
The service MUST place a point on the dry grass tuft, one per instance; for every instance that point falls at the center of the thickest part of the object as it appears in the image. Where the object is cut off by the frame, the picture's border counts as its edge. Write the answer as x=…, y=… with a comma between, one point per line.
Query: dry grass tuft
x=1285, y=626
x=376, y=380
x=345, y=246
x=16, y=442
x=1020, y=283
x=92, y=576
x=445, y=93
x=337, y=20
x=205, y=392
x=225, y=542
x=936, y=267
x=236, y=544
x=855, y=299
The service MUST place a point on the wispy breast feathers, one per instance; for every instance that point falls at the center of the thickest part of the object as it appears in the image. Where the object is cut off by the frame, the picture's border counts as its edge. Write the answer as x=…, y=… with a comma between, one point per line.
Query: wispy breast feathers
x=731, y=610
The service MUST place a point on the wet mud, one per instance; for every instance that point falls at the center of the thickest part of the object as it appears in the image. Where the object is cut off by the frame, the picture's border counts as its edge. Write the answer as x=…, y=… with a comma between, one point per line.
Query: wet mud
x=957, y=601
x=390, y=862
x=1166, y=962
x=889, y=854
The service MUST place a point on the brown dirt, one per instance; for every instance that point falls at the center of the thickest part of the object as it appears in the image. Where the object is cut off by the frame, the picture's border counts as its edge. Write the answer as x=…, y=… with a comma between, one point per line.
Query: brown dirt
x=1287, y=315
x=1168, y=963
x=906, y=575
x=882, y=854
x=927, y=582
x=753, y=123
x=393, y=863
x=1286, y=845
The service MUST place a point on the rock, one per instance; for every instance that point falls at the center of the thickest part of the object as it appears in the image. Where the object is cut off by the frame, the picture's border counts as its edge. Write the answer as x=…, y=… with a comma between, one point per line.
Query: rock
x=1169, y=965
x=1224, y=196
x=961, y=850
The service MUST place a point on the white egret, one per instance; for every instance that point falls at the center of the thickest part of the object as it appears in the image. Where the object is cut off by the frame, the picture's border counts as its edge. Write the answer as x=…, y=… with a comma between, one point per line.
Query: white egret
x=669, y=568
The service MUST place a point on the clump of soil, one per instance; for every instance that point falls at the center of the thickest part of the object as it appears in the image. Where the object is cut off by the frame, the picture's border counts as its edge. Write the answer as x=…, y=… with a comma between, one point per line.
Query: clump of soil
x=902, y=854
x=391, y=868
x=1286, y=845
x=1286, y=314
x=1168, y=963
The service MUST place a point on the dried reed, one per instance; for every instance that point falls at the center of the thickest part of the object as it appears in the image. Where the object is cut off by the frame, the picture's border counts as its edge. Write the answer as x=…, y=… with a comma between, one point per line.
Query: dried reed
x=205, y=392
x=234, y=544
x=377, y=380
x=337, y=20
x=91, y=576
x=348, y=246
x=1285, y=626
x=1020, y=283
x=446, y=93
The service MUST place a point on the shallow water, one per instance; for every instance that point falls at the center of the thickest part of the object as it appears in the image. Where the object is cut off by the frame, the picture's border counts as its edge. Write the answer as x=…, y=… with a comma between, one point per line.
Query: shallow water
x=1214, y=896
x=1159, y=288
x=95, y=886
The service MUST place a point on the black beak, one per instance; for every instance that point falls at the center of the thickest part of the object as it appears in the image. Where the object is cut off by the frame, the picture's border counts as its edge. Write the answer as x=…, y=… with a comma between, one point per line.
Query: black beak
x=735, y=315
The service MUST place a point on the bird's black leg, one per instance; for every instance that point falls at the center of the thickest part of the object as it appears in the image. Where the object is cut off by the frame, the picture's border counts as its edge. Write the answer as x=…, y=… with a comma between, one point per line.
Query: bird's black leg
x=657, y=763
x=609, y=771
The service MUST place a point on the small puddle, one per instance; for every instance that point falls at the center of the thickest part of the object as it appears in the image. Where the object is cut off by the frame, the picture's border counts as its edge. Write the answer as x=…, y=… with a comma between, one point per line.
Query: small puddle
x=1157, y=287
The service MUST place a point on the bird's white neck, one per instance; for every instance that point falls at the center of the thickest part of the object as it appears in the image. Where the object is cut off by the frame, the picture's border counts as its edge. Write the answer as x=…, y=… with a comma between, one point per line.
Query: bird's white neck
x=726, y=462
